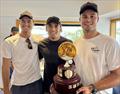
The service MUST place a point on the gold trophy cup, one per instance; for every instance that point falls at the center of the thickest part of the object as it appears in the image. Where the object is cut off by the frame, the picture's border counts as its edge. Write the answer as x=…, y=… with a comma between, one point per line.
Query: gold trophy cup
x=66, y=81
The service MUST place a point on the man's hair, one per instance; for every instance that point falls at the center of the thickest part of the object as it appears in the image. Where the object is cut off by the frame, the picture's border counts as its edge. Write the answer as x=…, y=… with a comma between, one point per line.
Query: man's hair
x=14, y=29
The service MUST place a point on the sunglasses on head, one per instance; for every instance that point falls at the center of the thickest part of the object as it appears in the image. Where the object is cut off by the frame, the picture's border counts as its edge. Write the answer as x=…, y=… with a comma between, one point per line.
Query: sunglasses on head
x=29, y=43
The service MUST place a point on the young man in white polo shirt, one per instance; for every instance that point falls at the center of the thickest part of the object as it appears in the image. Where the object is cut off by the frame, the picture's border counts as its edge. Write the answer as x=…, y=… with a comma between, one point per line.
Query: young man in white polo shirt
x=98, y=56
x=21, y=49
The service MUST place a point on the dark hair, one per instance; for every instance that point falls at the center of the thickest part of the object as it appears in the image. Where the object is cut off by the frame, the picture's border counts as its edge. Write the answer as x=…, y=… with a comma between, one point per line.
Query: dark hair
x=53, y=19
x=88, y=5
x=14, y=28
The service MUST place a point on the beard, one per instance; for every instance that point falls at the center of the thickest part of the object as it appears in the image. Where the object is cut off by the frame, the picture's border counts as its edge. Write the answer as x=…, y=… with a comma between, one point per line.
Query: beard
x=53, y=38
x=89, y=29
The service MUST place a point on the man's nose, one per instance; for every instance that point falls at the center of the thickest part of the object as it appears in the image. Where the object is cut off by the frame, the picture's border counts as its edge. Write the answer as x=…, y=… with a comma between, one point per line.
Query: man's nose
x=88, y=19
x=26, y=23
x=53, y=29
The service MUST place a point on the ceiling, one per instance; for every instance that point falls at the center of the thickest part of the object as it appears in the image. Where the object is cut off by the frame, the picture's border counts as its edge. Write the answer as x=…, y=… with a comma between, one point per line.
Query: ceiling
x=67, y=9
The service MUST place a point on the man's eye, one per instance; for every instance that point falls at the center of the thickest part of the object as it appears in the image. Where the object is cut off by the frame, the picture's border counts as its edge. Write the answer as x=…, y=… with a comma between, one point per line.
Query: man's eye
x=49, y=26
x=92, y=16
x=84, y=16
x=56, y=26
x=29, y=21
x=23, y=21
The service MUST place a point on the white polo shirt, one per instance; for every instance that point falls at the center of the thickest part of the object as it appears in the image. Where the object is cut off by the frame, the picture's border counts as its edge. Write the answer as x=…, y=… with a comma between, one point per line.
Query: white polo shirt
x=95, y=58
x=25, y=61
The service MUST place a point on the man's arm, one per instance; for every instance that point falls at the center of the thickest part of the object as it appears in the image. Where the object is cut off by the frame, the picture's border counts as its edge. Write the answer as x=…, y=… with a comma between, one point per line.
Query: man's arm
x=111, y=80
x=5, y=74
x=39, y=52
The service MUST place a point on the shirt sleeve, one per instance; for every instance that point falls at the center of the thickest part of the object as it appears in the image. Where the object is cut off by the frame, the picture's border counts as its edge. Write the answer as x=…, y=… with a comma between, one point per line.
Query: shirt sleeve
x=39, y=52
x=113, y=55
x=6, y=50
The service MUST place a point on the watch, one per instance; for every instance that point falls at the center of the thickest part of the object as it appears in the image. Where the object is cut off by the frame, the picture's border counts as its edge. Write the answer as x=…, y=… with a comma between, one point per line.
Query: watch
x=93, y=89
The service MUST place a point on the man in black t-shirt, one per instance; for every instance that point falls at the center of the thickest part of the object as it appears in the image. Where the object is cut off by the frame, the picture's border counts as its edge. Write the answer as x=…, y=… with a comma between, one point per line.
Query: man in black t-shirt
x=48, y=49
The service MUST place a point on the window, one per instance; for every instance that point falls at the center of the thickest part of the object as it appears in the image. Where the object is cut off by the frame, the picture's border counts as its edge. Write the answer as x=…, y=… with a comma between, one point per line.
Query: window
x=115, y=29
x=70, y=30
x=118, y=31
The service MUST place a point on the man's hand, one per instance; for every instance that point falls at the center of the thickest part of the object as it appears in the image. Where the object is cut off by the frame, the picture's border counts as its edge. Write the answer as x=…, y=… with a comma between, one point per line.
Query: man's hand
x=7, y=92
x=84, y=90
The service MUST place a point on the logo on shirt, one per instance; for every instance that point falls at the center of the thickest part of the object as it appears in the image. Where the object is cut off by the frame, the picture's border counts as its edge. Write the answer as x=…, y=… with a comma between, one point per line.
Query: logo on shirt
x=95, y=49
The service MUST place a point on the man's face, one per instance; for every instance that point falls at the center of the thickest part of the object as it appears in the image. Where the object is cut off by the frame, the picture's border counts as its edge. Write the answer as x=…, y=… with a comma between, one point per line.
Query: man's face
x=53, y=30
x=89, y=20
x=26, y=24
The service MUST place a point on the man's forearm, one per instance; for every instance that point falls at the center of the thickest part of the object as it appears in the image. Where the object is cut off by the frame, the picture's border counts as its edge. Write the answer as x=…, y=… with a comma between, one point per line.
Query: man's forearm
x=109, y=81
x=6, y=80
x=5, y=76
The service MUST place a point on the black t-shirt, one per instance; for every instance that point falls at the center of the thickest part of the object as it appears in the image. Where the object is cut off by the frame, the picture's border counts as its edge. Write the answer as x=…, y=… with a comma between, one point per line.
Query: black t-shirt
x=48, y=50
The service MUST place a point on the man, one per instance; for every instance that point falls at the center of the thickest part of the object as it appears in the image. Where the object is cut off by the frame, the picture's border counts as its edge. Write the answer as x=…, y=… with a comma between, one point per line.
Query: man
x=21, y=50
x=48, y=49
x=14, y=31
x=97, y=60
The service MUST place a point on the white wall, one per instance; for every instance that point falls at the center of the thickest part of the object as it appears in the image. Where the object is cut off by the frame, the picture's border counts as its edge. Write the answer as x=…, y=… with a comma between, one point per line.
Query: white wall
x=103, y=25
x=6, y=22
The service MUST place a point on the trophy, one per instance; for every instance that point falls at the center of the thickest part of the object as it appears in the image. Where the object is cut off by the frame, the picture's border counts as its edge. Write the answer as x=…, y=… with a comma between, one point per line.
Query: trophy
x=66, y=81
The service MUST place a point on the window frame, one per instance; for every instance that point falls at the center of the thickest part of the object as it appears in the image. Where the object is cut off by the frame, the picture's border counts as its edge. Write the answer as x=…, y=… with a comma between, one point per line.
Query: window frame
x=113, y=27
x=43, y=22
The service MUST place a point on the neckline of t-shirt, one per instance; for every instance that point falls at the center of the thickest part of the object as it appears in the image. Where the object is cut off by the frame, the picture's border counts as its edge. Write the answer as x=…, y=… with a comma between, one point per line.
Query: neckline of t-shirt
x=22, y=38
x=53, y=41
x=94, y=38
